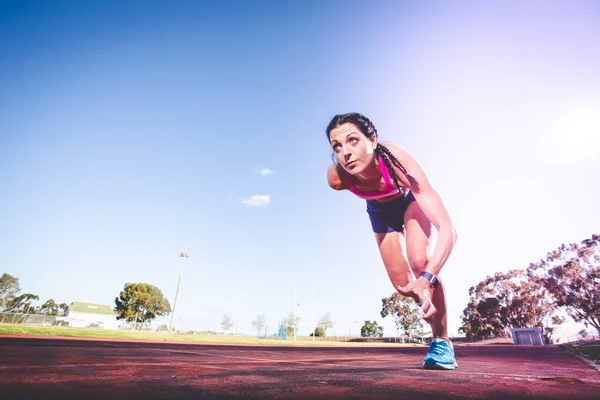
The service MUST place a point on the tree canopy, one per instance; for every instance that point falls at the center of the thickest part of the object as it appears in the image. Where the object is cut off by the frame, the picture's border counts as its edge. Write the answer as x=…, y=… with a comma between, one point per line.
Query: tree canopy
x=371, y=329
x=22, y=303
x=291, y=324
x=227, y=322
x=571, y=275
x=50, y=307
x=9, y=287
x=325, y=322
x=259, y=323
x=405, y=312
x=140, y=303
x=507, y=300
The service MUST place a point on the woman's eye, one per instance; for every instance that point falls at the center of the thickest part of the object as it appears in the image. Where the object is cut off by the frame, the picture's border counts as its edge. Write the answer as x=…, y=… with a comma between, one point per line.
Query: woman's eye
x=353, y=140
x=336, y=148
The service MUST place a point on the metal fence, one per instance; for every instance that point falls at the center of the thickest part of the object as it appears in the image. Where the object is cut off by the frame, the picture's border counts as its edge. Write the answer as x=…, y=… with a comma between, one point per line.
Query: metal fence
x=31, y=319
x=592, y=337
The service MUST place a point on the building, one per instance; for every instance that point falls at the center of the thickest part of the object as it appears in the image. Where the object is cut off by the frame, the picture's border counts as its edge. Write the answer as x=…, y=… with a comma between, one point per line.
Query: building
x=527, y=336
x=85, y=315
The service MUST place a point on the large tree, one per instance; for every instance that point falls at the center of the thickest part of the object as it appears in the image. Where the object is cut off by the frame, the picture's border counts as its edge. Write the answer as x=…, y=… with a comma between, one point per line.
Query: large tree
x=324, y=323
x=507, y=300
x=291, y=324
x=9, y=287
x=139, y=303
x=22, y=304
x=571, y=275
x=259, y=323
x=405, y=312
x=227, y=322
x=49, y=308
x=371, y=329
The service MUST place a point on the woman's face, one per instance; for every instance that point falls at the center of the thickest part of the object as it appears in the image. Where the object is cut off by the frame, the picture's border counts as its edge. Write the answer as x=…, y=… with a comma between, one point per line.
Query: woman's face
x=353, y=150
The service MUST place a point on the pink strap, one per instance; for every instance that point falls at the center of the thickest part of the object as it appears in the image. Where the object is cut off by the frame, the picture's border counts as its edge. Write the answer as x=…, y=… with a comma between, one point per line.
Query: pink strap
x=385, y=172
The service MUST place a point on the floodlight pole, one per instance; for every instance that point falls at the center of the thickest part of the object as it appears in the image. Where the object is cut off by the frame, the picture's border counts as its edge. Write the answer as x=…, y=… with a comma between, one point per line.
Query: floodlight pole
x=183, y=256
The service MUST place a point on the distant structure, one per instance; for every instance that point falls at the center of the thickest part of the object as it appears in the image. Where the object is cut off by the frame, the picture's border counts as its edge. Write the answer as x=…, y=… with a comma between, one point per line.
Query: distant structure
x=527, y=336
x=282, y=334
x=86, y=315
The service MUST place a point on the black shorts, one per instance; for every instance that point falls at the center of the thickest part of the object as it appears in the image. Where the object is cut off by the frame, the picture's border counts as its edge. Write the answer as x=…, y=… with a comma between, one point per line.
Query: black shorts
x=388, y=216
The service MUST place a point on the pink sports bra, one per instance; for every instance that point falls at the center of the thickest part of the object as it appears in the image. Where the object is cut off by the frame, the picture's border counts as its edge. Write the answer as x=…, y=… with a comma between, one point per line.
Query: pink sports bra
x=390, y=189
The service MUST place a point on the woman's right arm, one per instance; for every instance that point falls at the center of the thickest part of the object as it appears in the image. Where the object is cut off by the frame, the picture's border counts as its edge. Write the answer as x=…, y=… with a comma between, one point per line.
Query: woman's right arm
x=334, y=177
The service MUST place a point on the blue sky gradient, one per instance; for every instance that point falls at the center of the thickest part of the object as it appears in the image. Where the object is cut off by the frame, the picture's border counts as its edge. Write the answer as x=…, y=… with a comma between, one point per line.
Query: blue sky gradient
x=134, y=130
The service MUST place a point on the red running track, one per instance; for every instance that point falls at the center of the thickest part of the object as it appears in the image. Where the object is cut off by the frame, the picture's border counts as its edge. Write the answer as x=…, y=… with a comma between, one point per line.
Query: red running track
x=61, y=368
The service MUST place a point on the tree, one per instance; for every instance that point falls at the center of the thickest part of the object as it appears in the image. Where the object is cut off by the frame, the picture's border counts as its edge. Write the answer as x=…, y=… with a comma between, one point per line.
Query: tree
x=259, y=323
x=9, y=287
x=319, y=332
x=49, y=308
x=504, y=300
x=571, y=275
x=63, y=308
x=324, y=323
x=405, y=312
x=371, y=329
x=22, y=304
x=291, y=324
x=162, y=328
x=140, y=303
x=227, y=322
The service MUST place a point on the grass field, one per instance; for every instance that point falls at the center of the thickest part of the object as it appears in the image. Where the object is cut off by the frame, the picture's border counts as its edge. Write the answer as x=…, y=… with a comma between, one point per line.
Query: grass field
x=591, y=352
x=17, y=329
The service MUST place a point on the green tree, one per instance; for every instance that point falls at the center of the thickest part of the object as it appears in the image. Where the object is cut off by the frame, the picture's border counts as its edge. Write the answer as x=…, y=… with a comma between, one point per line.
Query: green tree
x=9, y=287
x=571, y=275
x=139, y=303
x=319, y=332
x=22, y=304
x=291, y=324
x=227, y=322
x=49, y=308
x=62, y=308
x=259, y=323
x=405, y=312
x=505, y=300
x=324, y=323
x=371, y=329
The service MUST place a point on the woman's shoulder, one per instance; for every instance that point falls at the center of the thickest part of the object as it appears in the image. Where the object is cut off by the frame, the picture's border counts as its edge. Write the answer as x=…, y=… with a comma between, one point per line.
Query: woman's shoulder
x=394, y=148
x=335, y=177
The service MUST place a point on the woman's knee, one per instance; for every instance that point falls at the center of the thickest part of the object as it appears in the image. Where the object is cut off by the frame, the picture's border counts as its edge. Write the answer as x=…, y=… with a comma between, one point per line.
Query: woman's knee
x=418, y=262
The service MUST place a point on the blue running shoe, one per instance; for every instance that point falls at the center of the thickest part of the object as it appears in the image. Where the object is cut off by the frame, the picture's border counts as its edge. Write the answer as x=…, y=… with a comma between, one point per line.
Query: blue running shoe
x=440, y=355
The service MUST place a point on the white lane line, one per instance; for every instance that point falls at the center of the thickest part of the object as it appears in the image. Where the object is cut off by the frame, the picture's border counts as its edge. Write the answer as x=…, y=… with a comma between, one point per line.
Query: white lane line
x=15, y=367
x=271, y=360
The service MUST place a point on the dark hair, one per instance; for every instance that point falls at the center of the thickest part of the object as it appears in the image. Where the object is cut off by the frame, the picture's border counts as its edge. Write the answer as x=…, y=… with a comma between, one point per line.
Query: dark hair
x=368, y=129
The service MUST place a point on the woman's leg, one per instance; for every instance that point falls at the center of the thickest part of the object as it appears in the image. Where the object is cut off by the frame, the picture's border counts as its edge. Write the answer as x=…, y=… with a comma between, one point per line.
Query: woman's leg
x=418, y=231
x=393, y=257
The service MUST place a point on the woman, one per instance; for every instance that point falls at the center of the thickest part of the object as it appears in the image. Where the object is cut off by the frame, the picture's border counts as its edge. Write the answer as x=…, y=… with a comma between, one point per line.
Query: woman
x=402, y=205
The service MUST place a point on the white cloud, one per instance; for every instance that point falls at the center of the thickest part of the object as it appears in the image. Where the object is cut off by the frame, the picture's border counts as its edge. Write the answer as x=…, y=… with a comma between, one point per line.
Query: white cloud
x=257, y=200
x=264, y=171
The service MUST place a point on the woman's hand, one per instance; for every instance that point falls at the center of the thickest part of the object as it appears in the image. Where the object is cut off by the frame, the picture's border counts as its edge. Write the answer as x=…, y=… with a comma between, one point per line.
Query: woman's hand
x=419, y=290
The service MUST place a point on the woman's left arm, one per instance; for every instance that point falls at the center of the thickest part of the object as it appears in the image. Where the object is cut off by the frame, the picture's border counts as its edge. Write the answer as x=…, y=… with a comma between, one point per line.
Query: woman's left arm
x=432, y=205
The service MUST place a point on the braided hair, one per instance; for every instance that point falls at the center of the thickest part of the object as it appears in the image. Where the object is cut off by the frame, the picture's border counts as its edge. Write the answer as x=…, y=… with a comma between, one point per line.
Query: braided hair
x=368, y=129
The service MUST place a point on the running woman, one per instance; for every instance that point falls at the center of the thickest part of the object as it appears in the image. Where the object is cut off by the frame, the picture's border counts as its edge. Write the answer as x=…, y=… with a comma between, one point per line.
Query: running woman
x=402, y=205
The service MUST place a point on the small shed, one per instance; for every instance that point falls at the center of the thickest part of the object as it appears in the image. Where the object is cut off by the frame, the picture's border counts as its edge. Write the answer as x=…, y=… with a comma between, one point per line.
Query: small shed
x=87, y=315
x=527, y=336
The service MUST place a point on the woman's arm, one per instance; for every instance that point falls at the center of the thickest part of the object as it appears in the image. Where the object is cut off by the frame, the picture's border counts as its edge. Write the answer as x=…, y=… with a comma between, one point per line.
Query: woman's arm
x=432, y=205
x=334, y=177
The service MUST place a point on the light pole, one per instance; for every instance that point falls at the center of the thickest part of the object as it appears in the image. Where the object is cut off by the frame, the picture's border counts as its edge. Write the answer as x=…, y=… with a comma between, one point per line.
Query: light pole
x=183, y=256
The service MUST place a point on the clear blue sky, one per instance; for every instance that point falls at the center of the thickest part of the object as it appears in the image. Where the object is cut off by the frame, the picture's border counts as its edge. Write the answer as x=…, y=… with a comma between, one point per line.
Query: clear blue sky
x=134, y=130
